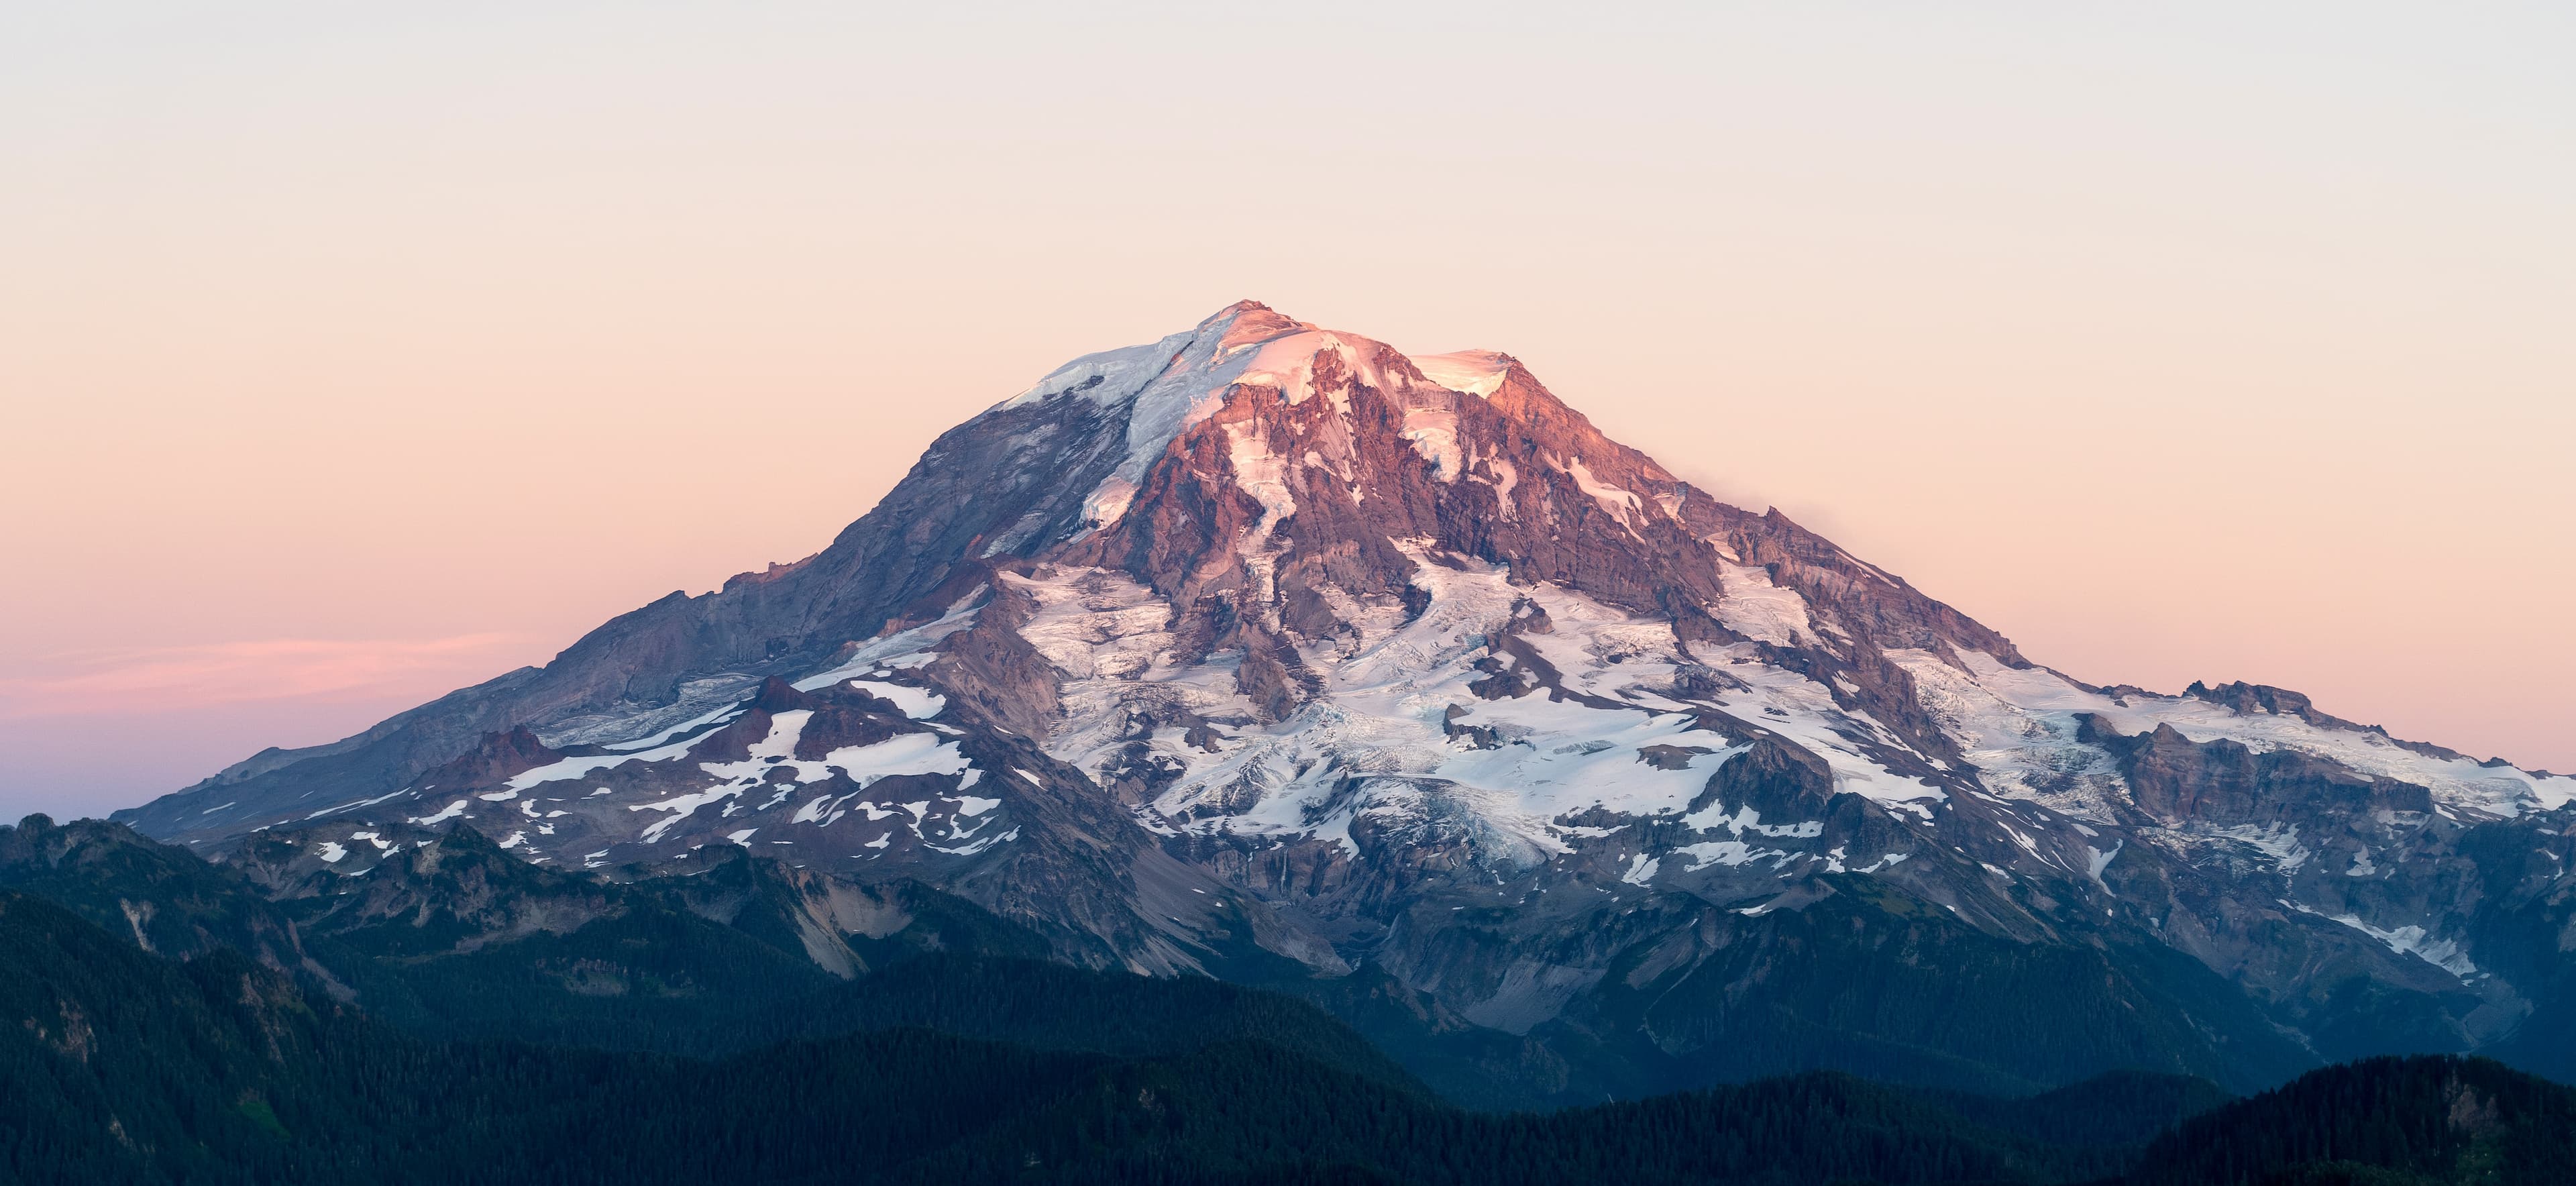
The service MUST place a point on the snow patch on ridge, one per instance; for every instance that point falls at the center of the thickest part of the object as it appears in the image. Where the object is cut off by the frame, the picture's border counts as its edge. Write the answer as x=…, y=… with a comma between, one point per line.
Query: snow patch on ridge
x=917, y=703
x=1623, y=505
x=903, y=648
x=1261, y=473
x=700, y=702
x=1108, y=502
x=584, y=767
x=2445, y=954
x=1288, y=363
x=2018, y=725
x=1475, y=372
x=1433, y=432
x=1759, y=610
x=1110, y=376
x=1165, y=387
x=903, y=753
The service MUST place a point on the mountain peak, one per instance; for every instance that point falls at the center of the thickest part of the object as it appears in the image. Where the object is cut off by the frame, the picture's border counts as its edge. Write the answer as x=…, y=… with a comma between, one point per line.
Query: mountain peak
x=1266, y=633
x=1475, y=372
x=1250, y=321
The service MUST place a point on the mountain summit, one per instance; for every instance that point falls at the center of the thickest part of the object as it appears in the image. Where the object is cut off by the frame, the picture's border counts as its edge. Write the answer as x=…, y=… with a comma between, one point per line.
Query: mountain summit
x=1273, y=652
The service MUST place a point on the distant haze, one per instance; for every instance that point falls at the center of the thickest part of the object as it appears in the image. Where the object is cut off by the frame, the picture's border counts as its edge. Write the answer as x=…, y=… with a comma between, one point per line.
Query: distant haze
x=350, y=355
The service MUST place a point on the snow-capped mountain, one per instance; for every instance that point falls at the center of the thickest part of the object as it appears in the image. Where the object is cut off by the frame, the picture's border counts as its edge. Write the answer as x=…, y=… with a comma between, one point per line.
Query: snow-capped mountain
x=1273, y=652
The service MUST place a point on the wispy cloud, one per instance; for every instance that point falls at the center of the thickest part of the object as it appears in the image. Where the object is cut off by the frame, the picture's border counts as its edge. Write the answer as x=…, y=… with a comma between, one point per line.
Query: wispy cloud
x=159, y=679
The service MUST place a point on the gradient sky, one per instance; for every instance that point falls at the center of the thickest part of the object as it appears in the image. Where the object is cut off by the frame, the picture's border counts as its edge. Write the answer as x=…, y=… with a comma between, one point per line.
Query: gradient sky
x=348, y=355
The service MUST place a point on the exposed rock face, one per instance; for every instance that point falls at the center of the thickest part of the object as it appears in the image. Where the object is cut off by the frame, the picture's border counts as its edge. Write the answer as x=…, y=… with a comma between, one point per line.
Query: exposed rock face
x=1272, y=652
x=2174, y=778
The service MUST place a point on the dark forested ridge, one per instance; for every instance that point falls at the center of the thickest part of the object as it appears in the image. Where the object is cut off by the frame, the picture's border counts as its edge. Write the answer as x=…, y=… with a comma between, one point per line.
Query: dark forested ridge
x=2411, y=1121
x=127, y=1067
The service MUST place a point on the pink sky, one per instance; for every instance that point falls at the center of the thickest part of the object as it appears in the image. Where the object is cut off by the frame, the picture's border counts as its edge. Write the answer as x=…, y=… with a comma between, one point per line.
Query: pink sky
x=346, y=358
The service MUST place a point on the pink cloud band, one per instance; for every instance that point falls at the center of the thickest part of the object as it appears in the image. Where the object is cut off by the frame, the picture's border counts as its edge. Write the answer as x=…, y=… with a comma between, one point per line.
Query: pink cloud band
x=160, y=679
